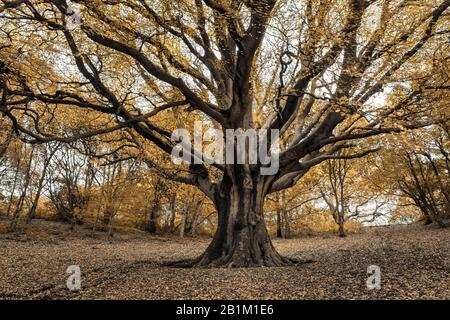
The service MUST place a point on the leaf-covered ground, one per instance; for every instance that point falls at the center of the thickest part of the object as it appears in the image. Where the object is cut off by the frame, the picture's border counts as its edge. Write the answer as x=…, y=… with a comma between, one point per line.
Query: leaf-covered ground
x=414, y=260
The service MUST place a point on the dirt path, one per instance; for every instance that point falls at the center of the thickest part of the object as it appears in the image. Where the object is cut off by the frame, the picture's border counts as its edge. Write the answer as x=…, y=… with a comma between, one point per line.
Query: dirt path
x=414, y=260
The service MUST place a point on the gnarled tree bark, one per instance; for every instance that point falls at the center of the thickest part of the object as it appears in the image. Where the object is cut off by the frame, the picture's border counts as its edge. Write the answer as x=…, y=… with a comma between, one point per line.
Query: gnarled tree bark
x=241, y=238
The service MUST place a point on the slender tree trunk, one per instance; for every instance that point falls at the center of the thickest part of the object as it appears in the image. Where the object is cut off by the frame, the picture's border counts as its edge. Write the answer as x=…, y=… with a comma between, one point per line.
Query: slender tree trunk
x=286, y=230
x=13, y=190
x=283, y=229
x=195, y=218
x=5, y=145
x=423, y=206
x=19, y=207
x=110, y=225
x=340, y=215
x=173, y=206
x=341, y=231
x=280, y=204
x=73, y=222
x=32, y=210
x=286, y=225
x=184, y=220
x=108, y=215
x=156, y=208
x=72, y=200
x=442, y=187
x=154, y=215
x=194, y=225
x=16, y=216
x=279, y=224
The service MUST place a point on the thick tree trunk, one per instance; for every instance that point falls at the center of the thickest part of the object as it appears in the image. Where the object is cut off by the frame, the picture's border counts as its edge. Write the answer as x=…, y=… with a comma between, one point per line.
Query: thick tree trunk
x=241, y=239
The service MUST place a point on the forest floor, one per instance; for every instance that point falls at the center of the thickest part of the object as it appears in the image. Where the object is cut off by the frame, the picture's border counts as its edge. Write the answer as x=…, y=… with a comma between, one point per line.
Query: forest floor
x=414, y=262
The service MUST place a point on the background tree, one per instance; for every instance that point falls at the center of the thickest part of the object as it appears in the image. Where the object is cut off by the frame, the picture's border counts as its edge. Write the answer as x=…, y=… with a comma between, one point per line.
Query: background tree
x=348, y=194
x=414, y=169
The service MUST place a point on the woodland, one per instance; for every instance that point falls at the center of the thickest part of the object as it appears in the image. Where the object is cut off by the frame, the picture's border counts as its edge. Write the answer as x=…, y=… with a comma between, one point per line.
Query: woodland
x=91, y=92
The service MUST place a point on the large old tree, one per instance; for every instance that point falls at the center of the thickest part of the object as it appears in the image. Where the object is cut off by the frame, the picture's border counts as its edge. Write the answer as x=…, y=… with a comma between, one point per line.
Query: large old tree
x=328, y=74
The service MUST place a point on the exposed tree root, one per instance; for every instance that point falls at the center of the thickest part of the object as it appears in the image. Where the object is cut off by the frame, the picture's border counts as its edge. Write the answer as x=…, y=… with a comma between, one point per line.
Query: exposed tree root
x=200, y=262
